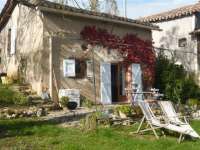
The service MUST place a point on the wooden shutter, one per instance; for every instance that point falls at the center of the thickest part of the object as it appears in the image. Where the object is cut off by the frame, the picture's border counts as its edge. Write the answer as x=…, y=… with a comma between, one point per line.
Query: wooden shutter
x=13, y=40
x=137, y=79
x=89, y=68
x=69, y=68
x=105, y=75
x=80, y=68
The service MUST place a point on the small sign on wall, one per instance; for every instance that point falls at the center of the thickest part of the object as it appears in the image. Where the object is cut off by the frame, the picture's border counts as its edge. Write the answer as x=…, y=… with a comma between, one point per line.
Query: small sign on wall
x=69, y=67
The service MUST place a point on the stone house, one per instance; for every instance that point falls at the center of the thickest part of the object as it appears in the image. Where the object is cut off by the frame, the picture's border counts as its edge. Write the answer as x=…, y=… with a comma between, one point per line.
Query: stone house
x=41, y=41
x=179, y=36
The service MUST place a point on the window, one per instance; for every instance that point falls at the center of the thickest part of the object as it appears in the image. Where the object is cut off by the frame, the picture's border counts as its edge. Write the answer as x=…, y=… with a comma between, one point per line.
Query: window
x=9, y=42
x=69, y=68
x=182, y=42
x=13, y=40
x=80, y=68
x=74, y=68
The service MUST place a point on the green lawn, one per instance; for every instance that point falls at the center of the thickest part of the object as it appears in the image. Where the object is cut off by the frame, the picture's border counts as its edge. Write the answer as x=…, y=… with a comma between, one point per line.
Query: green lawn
x=29, y=134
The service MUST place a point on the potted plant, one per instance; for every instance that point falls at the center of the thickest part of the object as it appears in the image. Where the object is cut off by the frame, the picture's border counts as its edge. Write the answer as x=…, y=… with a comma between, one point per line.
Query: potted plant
x=63, y=101
x=71, y=105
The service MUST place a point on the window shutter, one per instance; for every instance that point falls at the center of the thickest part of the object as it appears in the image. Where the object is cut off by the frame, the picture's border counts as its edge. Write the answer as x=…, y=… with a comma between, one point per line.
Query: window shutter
x=13, y=40
x=89, y=69
x=80, y=68
x=137, y=79
x=69, y=68
x=105, y=78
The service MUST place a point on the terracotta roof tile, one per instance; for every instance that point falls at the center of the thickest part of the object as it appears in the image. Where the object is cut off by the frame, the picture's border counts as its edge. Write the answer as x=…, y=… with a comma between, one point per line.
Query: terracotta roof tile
x=49, y=4
x=10, y=5
x=6, y=12
x=173, y=14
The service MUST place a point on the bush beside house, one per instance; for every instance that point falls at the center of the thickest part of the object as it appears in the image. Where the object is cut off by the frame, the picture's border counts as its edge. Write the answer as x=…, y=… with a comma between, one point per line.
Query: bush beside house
x=174, y=82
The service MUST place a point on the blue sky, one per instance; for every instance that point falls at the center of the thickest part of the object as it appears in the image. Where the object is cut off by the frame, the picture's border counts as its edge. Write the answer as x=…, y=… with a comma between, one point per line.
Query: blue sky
x=2, y=2
x=140, y=8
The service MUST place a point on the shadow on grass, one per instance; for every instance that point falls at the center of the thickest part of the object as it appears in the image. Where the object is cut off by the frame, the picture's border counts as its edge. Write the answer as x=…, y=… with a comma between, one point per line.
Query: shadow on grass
x=20, y=127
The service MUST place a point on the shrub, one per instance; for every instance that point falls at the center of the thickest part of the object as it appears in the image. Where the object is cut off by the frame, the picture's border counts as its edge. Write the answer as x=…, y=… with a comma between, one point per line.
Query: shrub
x=10, y=97
x=86, y=102
x=137, y=110
x=190, y=89
x=193, y=103
x=126, y=109
x=20, y=99
x=64, y=100
x=90, y=122
x=174, y=82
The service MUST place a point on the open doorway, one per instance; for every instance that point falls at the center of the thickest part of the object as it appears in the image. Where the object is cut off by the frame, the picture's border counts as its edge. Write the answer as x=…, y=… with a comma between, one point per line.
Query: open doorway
x=112, y=83
x=118, y=83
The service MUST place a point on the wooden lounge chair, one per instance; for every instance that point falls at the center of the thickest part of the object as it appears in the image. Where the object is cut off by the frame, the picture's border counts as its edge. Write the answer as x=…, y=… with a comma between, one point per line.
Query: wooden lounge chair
x=174, y=118
x=154, y=123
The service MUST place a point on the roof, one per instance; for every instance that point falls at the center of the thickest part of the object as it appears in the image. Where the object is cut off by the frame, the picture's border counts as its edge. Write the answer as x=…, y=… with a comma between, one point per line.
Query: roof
x=173, y=14
x=6, y=12
x=48, y=6
x=195, y=32
x=95, y=15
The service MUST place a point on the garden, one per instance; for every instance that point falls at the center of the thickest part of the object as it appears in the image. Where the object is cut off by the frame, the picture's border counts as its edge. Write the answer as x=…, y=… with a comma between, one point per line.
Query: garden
x=22, y=125
x=32, y=134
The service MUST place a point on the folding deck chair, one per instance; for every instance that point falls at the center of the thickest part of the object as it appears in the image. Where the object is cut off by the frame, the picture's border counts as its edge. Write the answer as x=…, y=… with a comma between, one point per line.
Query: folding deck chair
x=154, y=123
x=174, y=118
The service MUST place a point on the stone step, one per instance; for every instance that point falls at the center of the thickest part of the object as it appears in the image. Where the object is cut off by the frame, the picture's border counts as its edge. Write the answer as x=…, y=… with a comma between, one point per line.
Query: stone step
x=63, y=117
x=25, y=89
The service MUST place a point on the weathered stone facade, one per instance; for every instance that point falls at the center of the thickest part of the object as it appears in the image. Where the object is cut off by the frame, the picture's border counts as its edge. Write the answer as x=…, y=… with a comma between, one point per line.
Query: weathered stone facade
x=44, y=38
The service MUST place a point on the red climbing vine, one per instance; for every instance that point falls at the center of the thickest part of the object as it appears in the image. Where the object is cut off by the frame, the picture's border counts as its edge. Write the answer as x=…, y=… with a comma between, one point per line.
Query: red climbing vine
x=132, y=48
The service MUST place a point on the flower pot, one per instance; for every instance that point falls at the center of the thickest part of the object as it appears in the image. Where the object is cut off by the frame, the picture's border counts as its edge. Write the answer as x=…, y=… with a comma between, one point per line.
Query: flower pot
x=72, y=105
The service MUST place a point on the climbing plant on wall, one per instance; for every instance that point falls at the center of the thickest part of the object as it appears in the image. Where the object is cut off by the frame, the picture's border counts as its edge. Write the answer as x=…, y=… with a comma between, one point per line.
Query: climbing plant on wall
x=132, y=48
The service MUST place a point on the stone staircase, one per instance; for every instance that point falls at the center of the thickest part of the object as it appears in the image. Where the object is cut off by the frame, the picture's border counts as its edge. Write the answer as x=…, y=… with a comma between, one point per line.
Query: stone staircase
x=34, y=99
x=23, y=88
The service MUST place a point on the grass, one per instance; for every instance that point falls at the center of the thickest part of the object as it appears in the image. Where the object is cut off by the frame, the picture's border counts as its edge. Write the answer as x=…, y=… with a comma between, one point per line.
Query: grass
x=9, y=97
x=35, y=135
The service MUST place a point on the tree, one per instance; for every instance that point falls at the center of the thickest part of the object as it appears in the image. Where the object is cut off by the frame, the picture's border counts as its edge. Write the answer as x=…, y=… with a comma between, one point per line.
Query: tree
x=108, y=6
x=94, y=5
x=111, y=7
x=174, y=81
x=61, y=1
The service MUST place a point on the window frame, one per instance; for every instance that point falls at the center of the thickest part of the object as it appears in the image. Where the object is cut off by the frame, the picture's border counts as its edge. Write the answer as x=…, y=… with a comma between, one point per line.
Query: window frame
x=182, y=42
x=89, y=68
x=66, y=63
x=9, y=41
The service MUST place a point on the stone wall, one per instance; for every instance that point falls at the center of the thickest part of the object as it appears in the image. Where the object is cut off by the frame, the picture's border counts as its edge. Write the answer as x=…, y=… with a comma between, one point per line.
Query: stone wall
x=45, y=39
x=29, y=45
x=174, y=30
x=66, y=43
